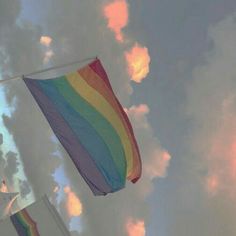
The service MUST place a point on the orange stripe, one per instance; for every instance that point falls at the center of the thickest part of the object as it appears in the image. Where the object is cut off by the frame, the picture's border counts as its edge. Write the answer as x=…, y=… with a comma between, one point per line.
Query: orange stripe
x=29, y=221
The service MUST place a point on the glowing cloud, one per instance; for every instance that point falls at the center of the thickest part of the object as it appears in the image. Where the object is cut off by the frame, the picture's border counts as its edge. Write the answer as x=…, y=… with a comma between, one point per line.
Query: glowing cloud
x=73, y=204
x=45, y=40
x=117, y=15
x=135, y=228
x=138, y=61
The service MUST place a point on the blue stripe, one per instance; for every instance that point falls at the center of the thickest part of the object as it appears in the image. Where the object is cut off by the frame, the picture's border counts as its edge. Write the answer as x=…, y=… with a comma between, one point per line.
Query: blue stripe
x=20, y=229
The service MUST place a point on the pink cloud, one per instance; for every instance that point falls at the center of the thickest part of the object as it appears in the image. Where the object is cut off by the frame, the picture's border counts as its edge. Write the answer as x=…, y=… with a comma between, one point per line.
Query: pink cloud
x=157, y=165
x=221, y=157
x=117, y=15
x=135, y=227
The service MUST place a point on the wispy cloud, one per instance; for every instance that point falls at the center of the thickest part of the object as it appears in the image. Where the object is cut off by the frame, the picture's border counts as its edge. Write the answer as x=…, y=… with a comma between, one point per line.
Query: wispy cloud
x=211, y=104
x=47, y=56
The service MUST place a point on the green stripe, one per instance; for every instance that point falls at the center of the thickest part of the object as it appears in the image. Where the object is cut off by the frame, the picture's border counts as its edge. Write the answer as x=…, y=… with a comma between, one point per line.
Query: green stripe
x=97, y=121
x=23, y=223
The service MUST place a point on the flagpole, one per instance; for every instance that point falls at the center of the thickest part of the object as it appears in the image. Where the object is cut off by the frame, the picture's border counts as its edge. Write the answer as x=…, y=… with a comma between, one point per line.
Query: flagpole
x=48, y=69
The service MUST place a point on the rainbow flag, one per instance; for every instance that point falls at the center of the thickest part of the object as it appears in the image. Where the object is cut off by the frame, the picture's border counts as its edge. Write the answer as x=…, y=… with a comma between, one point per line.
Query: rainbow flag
x=6, y=202
x=91, y=124
x=40, y=218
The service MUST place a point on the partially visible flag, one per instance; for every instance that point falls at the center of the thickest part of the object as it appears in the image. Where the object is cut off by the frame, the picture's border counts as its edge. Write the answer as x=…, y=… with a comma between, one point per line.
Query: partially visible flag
x=39, y=219
x=6, y=201
x=90, y=123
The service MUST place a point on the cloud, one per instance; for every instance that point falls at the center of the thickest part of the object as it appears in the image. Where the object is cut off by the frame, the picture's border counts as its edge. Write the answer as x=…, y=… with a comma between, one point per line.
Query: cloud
x=156, y=158
x=212, y=184
x=47, y=56
x=117, y=15
x=11, y=166
x=221, y=153
x=25, y=188
x=138, y=61
x=8, y=168
x=22, y=40
x=48, y=52
x=9, y=11
x=135, y=227
x=2, y=160
x=14, y=45
x=29, y=143
x=212, y=107
x=1, y=139
x=46, y=40
x=56, y=189
x=73, y=204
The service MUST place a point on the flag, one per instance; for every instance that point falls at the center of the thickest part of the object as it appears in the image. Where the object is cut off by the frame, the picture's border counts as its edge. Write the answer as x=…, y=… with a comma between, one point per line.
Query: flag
x=38, y=219
x=6, y=201
x=92, y=126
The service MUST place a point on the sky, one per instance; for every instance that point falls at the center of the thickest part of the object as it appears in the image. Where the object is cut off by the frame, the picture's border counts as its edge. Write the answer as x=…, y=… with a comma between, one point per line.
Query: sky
x=172, y=66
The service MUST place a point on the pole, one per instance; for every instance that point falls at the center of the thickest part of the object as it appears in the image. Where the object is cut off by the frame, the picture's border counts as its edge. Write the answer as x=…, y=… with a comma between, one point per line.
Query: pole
x=48, y=69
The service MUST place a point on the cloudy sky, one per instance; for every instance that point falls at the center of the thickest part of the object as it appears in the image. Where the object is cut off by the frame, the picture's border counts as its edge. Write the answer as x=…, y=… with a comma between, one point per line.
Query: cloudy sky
x=172, y=66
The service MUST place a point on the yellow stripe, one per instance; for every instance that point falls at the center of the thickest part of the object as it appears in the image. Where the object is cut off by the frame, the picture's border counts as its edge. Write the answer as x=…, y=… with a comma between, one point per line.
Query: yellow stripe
x=101, y=105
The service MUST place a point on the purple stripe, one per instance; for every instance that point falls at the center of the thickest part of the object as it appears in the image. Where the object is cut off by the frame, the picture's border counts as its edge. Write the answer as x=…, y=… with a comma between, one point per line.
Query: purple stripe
x=81, y=158
x=21, y=231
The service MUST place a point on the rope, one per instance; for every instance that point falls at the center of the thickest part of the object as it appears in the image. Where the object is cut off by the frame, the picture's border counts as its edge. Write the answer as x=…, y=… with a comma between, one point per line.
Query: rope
x=47, y=69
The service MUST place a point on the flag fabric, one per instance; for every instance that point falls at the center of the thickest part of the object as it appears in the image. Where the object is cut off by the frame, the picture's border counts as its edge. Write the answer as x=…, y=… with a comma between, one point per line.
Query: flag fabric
x=91, y=124
x=6, y=201
x=38, y=219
